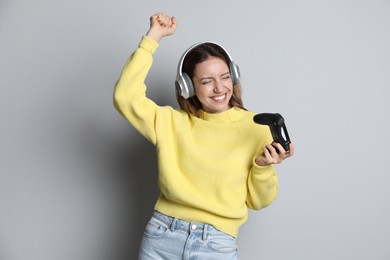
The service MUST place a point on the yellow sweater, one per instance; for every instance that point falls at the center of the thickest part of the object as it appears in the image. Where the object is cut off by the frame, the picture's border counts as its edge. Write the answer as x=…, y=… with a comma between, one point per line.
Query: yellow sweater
x=206, y=165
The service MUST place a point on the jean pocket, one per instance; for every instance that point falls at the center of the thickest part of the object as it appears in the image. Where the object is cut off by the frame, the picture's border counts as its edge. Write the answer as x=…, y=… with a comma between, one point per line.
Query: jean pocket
x=223, y=244
x=156, y=229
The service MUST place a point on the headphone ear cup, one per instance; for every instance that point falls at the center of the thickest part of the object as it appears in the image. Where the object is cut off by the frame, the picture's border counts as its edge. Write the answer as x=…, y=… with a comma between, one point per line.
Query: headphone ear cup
x=235, y=73
x=184, y=86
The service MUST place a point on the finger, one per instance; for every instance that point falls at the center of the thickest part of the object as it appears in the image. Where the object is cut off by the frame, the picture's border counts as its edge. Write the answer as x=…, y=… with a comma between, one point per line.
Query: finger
x=272, y=150
x=174, y=23
x=280, y=153
x=266, y=152
x=272, y=155
x=279, y=148
x=269, y=152
x=154, y=18
x=168, y=21
x=160, y=16
x=164, y=20
x=291, y=152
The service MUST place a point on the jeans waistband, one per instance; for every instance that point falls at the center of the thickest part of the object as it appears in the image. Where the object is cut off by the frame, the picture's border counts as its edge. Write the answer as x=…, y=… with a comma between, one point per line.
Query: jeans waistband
x=180, y=224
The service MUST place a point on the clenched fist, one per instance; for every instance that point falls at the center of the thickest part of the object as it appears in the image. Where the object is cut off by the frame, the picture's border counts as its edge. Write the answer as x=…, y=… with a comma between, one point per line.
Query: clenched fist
x=161, y=25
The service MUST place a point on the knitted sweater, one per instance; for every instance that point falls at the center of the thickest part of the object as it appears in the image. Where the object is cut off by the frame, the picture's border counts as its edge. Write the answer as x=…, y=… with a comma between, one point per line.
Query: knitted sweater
x=206, y=164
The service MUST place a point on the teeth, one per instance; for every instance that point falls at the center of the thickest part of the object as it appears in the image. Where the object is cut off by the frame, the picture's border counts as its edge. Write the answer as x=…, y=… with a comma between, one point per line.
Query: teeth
x=219, y=98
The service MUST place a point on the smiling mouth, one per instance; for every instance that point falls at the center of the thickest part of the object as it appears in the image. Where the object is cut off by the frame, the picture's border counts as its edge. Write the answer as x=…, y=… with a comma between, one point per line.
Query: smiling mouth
x=219, y=98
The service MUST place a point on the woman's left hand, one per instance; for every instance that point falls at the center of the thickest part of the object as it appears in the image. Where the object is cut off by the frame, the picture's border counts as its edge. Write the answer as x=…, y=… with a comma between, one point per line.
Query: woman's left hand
x=161, y=25
x=271, y=155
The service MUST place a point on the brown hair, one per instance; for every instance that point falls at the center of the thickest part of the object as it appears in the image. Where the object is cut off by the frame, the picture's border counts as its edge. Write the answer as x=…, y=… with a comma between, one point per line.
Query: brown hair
x=197, y=55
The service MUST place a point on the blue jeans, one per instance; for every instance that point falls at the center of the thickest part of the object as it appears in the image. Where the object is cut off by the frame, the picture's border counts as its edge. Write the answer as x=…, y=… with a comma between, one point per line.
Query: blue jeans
x=168, y=238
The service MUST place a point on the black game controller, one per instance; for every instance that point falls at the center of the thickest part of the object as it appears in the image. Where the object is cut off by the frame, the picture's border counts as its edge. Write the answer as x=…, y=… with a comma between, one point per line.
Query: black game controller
x=277, y=127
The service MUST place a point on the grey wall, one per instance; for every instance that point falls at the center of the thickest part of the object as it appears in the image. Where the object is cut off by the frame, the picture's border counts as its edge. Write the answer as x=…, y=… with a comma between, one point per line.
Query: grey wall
x=77, y=182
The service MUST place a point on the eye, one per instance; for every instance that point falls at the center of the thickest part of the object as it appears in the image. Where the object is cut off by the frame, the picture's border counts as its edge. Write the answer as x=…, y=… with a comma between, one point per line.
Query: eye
x=205, y=82
x=225, y=77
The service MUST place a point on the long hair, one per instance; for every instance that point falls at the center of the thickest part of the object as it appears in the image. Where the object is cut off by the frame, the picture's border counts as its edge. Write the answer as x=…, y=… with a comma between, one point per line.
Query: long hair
x=197, y=55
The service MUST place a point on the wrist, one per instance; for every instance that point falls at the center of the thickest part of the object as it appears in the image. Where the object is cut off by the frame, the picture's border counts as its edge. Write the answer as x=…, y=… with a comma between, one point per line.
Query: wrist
x=260, y=161
x=154, y=36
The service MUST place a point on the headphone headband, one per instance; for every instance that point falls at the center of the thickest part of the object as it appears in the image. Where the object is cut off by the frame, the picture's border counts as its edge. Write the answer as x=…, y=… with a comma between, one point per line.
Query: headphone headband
x=180, y=66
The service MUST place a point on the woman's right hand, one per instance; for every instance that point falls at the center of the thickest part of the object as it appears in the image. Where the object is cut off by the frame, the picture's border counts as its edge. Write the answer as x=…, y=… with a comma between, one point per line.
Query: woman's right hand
x=161, y=25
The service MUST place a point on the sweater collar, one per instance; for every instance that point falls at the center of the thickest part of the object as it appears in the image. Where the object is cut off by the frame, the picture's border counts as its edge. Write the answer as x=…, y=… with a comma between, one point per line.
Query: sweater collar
x=229, y=115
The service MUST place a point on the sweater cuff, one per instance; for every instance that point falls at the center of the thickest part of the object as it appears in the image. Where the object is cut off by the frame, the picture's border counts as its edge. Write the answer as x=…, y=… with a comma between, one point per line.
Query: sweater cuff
x=264, y=171
x=148, y=44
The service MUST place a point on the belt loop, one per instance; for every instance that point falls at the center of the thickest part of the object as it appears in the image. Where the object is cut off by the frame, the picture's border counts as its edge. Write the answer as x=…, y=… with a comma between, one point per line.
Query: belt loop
x=173, y=224
x=204, y=237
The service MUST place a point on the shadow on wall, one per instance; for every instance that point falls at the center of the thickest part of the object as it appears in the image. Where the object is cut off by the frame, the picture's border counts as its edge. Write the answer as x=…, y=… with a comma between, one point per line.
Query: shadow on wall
x=135, y=167
x=128, y=164
x=137, y=173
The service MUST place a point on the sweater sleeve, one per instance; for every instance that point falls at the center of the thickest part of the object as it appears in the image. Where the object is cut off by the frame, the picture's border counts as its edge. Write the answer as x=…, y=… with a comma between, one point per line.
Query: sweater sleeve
x=130, y=90
x=262, y=186
x=263, y=182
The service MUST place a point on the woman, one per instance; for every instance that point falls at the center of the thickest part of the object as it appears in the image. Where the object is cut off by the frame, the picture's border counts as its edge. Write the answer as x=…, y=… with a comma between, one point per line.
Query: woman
x=214, y=161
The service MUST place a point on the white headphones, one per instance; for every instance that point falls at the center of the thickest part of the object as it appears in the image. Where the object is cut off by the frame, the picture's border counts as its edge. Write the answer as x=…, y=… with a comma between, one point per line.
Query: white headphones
x=183, y=83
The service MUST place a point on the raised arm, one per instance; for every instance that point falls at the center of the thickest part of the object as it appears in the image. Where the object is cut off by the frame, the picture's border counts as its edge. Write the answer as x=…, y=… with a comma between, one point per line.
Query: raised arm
x=130, y=90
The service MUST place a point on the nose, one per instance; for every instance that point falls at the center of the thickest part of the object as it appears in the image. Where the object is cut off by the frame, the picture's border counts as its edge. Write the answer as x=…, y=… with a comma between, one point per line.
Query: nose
x=218, y=86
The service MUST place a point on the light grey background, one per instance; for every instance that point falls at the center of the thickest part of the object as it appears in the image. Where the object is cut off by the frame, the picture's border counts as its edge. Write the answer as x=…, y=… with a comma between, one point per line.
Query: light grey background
x=77, y=182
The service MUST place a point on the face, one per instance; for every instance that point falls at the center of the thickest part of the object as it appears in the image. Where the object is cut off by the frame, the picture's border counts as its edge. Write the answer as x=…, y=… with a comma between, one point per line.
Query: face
x=213, y=85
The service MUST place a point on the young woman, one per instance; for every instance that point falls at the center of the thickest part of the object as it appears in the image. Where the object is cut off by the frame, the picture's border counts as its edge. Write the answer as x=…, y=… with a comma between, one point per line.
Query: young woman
x=214, y=161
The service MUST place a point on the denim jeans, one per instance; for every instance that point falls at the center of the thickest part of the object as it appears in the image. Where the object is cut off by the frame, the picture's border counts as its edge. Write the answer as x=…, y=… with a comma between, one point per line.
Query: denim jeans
x=167, y=238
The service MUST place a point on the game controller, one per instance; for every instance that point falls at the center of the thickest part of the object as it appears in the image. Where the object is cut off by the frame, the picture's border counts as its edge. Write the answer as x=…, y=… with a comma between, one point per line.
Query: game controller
x=277, y=126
